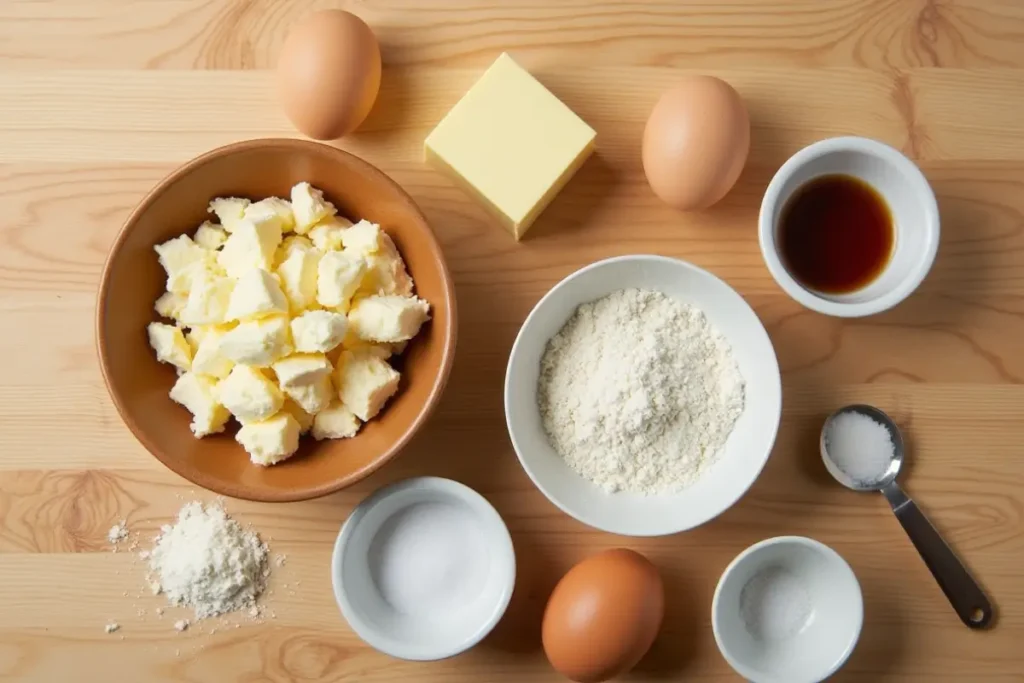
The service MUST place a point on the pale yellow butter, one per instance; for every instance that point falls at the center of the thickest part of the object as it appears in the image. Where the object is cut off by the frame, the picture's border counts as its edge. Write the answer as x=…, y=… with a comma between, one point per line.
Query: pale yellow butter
x=298, y=273
x=182, y=260
x=386, y=273
x=210, y=236
x=272, y=440
x=170, y=346
x=208, y=359
x=309, y=207
x=338, y=277
x=388, y=318
x=229, y=211
x=257, y=294
x=208, y=301
x=313, y=397
x=252, y=245
x=365, y=383
x=304, y=419
x=249, y=395
x=335, y=422
x=301, y=368
x=258, y=342
x=510, y=143
x=318, y=331
x=198, y=395
x=170, y=305
x=271, y=209
x=327, y=234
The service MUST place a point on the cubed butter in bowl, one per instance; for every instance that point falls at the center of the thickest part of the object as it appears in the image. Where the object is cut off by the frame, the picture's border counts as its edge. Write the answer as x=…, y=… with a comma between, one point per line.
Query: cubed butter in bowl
x=275, y=320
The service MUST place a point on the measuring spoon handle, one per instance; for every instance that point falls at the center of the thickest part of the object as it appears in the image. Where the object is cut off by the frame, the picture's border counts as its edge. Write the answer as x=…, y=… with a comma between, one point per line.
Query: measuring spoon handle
x=963, y=592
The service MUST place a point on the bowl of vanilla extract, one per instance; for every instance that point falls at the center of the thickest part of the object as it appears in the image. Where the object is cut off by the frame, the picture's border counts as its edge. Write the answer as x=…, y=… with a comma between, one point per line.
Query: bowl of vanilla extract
x=849, y=227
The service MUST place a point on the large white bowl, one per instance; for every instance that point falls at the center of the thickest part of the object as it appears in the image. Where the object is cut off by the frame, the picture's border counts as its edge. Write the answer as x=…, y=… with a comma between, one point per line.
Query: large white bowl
x=744, y=454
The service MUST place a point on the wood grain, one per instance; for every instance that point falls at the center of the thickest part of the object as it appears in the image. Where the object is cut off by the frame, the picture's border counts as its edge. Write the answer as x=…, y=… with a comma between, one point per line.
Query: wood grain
x=100, y=102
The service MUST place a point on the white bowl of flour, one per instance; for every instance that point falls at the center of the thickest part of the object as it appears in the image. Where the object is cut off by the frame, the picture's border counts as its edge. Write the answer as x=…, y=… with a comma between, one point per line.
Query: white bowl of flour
x=643, y=395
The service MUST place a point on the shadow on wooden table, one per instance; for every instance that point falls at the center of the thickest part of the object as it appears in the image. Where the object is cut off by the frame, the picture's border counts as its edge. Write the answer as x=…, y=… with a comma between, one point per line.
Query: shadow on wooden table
x=882, y=639
x=519, y=630
x=578, y=201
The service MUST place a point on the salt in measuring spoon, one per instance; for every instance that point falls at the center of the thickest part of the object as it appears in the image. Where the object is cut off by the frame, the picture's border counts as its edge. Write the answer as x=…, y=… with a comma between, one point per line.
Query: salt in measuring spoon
x=964, y=594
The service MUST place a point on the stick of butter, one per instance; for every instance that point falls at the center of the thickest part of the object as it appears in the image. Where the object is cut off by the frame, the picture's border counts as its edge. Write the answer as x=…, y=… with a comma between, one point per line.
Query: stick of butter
x=511, y=144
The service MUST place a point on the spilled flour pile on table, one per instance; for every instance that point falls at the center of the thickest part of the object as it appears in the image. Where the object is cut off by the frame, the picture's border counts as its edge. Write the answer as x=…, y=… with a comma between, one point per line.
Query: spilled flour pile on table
x=638, y=392
x=208, y=562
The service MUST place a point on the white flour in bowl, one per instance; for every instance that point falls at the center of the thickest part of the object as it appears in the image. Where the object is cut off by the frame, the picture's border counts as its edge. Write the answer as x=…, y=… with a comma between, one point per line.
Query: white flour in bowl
x=638, y=392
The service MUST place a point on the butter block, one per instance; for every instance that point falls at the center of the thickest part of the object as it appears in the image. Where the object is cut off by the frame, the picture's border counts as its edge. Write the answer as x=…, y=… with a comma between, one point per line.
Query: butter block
x=312, y=397
x=298, y=271
x=272, y=440
x=251, y=245
x=258, y=342
x=511, y=144
x=182, y=260
x=249, y=395
x=339, y=275
x=385, y=270
x=208, y=301
x=208, y=359
x=170, y=305
x=318, y=331
x=257, y=294
x=365, y=383
x=388, y=318
x=198, y=395
x=335, y=422
x=327, y=234
x=273, y=209
x=210, y=236
x=229, y=211
x=304, y=419
x=309, y=207
x=301, y=368
x=170, y=346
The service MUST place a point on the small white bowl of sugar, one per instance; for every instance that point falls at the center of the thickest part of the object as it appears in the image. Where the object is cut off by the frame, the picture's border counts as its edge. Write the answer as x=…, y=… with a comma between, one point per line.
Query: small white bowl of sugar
x=787, y=610
x=423, y=569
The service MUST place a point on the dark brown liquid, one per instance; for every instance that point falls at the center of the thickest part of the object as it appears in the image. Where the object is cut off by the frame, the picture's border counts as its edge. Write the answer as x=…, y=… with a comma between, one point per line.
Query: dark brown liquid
x=836, y=234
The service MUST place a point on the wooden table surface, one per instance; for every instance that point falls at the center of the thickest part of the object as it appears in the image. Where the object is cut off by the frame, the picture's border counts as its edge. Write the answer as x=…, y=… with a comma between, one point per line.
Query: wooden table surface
x=101, y=98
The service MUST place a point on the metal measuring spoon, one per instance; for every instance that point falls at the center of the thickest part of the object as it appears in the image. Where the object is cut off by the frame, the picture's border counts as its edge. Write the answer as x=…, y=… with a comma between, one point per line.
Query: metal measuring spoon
x=963, y=592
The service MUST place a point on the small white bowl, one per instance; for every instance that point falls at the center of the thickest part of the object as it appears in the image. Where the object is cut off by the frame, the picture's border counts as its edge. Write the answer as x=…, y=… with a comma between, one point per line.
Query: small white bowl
x=741, y=459
x=787, y=610
x=911, y=201
x=396, y=569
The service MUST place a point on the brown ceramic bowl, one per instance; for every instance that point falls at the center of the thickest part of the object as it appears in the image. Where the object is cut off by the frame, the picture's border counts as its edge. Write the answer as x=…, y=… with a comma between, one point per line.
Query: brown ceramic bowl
x=133, y=279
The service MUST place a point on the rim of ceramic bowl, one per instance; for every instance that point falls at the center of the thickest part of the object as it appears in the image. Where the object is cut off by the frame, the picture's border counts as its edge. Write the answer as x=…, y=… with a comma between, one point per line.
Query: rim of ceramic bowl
x=807, y=542
x=498, y=535
x=922, y=190
x=669, y=530
x=200, y=478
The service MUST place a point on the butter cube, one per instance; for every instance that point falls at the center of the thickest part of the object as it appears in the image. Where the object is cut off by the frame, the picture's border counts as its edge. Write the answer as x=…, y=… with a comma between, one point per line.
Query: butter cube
x=182, y=260
x=386, y=273
x=251, y=245
x=170, y=346
x=257, y=294
x=309, y=207
x=298, y=272
x=365, y=383
x=210, y=237
x=249, y=395
x=335, y=422
x=272, y=440
x=327, y=235
x=197, y=394
x=207, y=358
x=229, y=211
x=301, y=368
x=318, y=331
x=272, y=209
x=511, y=144
x=364, y=237
x=338, y=277
x=313, y=397
x=388, y=318
x=208, y=301
x=304, y=419
x=170, y=305
x=258, y=343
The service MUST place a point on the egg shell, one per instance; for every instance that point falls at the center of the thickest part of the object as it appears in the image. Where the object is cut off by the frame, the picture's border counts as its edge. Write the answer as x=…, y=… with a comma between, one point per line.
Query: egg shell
x=696, y=143
x=603, y=616
x=328, y=74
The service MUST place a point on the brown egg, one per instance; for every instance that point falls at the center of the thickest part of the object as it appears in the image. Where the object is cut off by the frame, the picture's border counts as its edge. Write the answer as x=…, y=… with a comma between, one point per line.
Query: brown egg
x=696, y=143
x=328, y=74
x=603, y=616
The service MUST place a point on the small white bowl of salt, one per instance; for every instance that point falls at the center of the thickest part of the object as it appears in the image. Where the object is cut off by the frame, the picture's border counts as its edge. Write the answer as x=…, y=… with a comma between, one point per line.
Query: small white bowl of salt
x=787, y=610
x=423, y=569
